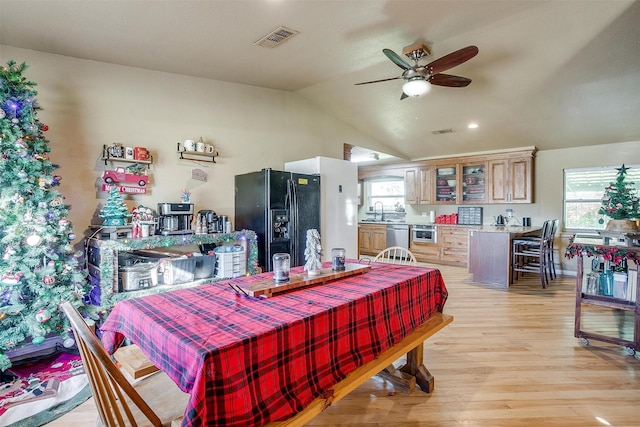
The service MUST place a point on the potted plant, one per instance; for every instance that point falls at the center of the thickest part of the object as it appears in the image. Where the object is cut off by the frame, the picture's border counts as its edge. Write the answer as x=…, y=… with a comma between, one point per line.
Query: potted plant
x=620, y=203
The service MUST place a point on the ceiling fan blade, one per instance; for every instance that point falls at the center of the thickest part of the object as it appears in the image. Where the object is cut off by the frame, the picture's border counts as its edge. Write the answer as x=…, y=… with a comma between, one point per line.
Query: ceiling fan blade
x=378, y=81
x=451, y=60
x=397, y=59
x=449, y=80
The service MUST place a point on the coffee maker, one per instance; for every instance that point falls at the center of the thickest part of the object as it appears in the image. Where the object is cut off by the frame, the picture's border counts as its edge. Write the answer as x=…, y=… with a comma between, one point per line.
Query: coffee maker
x=174, y=218
x=209, y=221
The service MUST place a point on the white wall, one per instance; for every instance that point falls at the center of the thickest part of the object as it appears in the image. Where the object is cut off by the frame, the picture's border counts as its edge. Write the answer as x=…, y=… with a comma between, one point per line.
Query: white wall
x=87, y=104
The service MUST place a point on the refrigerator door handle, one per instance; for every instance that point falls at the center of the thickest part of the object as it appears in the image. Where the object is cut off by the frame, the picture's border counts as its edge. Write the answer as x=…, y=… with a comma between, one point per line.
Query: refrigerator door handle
x=293, y=220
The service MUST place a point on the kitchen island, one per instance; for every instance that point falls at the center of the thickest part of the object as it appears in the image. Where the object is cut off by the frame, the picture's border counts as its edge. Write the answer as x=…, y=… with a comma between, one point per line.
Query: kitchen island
x=490, y=252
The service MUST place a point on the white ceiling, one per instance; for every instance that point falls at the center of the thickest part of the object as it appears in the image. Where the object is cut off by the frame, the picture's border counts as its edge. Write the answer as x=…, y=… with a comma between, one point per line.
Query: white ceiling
x=549, y=74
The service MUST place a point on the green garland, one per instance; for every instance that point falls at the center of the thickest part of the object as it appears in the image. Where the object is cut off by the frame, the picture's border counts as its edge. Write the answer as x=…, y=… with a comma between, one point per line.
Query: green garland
x=110, y=248
x=614, y=254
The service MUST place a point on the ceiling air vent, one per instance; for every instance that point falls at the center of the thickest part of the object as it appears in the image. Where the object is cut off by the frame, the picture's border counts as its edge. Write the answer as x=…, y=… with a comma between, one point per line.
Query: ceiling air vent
x=276, y=37
x=441, y=131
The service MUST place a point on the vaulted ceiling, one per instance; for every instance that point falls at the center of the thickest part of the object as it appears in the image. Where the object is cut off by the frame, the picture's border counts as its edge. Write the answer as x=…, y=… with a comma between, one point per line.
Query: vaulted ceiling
x=549, y=74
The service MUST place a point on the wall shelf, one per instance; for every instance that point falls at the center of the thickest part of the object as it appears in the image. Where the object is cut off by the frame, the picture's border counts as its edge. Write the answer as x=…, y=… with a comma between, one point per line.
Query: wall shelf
x=196, y=155
x=109, y=158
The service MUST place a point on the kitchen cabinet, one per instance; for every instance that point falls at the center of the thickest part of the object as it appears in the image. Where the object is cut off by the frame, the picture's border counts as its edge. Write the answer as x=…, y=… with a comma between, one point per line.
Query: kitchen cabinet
x=446, y=180
x=473, y=182
x=510, y=180
x=505, y=177
x=372, y=238
x=454, y=245
x=102, y=260
x=451, y=247
x=417, y=186
x=426, y=252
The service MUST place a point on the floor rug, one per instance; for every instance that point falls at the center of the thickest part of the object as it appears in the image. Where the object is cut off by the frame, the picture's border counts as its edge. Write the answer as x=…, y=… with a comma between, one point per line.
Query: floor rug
x=43, y=390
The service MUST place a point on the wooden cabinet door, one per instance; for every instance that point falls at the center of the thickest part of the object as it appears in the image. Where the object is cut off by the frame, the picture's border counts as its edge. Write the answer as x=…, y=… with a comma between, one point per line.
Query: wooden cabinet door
x=498, y=177
x=411, y=186
x=364, y=240
x=425, y=186
x=520, y=175
x=454, y=245
x=379, y=238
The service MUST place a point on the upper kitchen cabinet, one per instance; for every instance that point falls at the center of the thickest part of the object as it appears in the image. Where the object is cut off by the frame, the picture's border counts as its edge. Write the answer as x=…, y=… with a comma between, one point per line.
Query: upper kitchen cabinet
x=510, y=179
x=417, y=186
x=446, y=179
x=473, y=182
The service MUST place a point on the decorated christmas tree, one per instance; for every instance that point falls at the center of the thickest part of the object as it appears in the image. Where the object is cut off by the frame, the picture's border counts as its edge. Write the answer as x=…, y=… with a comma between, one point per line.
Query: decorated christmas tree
x=38, y=267
x=313, y=252
x=115, y=211
x=620, y=200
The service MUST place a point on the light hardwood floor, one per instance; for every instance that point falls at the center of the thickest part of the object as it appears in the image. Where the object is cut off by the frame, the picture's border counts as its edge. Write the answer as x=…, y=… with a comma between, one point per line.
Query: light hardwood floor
x=508, y=359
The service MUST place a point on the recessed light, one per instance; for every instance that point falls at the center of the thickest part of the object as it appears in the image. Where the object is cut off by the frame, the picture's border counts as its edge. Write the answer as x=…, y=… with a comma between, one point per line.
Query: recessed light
x=472, y=125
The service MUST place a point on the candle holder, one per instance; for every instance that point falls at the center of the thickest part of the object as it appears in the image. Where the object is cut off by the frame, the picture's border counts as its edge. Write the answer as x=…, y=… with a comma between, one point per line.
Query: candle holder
x=337, y=259
x=281, y=267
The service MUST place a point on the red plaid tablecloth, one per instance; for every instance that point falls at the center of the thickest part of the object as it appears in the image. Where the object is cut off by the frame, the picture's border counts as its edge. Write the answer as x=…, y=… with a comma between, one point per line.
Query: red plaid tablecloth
x=249, y=361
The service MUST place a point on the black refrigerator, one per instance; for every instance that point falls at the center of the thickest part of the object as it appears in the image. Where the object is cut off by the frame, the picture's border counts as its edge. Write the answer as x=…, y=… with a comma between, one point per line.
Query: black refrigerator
x=280, y=207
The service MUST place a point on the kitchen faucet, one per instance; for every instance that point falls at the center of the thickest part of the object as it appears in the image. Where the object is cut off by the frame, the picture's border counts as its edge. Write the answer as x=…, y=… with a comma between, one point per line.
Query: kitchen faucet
x=375, y=211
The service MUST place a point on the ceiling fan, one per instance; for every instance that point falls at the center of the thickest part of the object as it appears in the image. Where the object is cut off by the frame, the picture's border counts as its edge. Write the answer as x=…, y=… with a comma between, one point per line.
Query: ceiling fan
x=418, y=77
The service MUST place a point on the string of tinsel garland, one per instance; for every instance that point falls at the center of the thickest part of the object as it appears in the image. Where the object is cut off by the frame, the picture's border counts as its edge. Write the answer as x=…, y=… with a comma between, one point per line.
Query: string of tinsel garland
x=109, y=249
x=614, y=254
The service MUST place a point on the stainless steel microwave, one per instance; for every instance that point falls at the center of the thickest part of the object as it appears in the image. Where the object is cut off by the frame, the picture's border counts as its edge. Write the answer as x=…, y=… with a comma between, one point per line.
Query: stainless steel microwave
x=424, y=233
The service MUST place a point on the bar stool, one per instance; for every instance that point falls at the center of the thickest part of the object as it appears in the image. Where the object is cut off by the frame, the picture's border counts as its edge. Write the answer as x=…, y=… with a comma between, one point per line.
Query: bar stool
x=534, y=254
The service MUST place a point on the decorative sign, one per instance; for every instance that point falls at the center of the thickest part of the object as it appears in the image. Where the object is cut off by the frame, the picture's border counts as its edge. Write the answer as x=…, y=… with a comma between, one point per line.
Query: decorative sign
x=199, y=175
x=124, y=189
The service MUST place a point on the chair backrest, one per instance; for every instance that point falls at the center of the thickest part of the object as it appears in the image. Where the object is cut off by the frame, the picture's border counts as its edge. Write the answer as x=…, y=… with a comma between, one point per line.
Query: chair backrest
x=396, y=255
x=108, y=383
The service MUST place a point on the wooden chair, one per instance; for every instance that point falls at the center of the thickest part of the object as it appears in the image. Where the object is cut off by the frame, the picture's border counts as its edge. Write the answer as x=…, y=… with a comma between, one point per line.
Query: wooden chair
x=396, y=255
x=154, y=400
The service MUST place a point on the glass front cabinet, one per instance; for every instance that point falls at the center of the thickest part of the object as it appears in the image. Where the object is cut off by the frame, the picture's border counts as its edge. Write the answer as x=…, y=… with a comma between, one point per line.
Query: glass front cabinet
x=446, y=184
x=473, y=183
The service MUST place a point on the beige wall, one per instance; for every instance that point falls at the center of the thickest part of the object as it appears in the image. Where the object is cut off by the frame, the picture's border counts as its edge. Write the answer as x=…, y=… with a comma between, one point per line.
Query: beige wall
x=87, y=104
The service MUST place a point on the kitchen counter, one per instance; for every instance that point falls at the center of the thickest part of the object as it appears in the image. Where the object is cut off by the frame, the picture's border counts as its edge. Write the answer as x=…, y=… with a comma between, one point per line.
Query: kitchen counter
x=490, y=252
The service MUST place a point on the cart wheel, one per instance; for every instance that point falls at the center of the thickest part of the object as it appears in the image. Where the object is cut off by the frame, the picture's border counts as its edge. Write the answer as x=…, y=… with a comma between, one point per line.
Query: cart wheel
x=630, y=351
x=584, y=341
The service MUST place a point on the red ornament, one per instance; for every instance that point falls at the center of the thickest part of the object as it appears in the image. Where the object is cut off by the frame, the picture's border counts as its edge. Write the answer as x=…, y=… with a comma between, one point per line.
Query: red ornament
x=48, y=280
x=45, y=128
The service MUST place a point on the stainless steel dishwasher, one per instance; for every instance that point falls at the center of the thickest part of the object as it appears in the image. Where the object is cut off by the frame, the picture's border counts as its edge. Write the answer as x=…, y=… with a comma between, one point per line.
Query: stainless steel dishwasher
x=398, y=235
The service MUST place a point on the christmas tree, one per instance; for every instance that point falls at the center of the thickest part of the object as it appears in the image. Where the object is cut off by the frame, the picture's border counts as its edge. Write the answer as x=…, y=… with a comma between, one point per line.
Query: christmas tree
x=620, y=200
x=38, y=267
x=313, y=252
x=115, y=211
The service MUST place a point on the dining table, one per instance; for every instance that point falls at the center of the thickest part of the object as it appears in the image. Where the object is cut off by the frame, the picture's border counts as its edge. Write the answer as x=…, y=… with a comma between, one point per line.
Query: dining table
x=250, y=361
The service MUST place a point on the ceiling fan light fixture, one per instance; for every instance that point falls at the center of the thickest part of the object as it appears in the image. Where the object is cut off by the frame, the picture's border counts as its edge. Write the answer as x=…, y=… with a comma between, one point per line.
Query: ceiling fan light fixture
x=417, y=87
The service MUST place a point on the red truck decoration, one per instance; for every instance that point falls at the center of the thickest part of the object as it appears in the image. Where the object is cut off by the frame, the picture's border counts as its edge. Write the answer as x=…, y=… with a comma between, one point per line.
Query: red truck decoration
x=120, y=174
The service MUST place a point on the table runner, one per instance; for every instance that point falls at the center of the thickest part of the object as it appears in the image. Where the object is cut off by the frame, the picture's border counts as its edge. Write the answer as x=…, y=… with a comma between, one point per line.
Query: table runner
x=249, y=361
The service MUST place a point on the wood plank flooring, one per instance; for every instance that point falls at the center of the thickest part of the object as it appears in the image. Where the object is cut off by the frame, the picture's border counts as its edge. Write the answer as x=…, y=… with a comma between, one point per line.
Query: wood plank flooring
x=508, y=359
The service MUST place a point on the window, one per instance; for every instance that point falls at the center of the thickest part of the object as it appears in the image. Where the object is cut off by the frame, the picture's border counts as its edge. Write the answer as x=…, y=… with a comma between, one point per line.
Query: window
x=583, y=191
x=389, y=192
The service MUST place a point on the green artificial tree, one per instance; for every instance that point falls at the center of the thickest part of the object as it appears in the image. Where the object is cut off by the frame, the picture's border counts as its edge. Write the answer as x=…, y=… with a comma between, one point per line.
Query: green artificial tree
x=38, y=266
x=115, y=211
x=620, y=200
